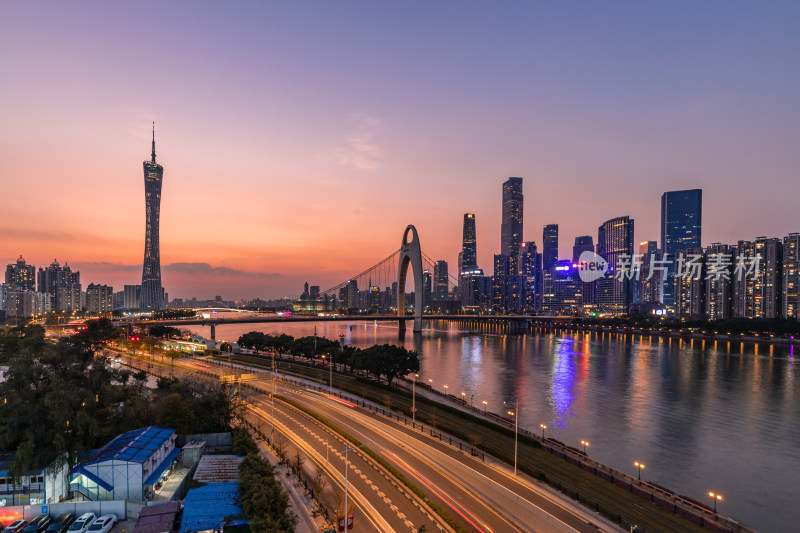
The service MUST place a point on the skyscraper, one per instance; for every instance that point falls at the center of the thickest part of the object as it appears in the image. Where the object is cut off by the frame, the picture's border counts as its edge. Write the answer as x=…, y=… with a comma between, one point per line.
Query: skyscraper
x=582, y=244
x=649, y=280
x=440, y=281
x=681, y=223
x=62, y=284
x=529, y=262
x=469, y=247
x=152, y=291
x=21, y=275
x=719, y=286
x=511, y=226
x=549, y=246
x=790, y=294
x=614, y=242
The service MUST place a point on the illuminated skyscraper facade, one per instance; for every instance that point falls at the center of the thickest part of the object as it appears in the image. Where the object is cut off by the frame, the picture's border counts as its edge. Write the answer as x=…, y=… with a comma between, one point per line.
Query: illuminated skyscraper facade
x=681, y=224
x=511, y=226
x=549, y=246
x=469, y=246
x=614, y=243
x=152, y=296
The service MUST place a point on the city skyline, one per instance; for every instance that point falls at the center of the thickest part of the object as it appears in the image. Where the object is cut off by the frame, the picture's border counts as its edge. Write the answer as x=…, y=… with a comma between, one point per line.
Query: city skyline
x=251, y=158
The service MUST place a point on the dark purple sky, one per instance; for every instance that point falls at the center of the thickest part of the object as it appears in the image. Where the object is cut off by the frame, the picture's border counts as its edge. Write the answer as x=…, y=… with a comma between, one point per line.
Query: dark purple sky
x=299, y=139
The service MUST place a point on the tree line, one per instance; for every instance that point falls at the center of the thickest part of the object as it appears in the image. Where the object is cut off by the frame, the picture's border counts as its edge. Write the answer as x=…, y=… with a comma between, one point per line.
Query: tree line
x=62, y=398
x=383, y=361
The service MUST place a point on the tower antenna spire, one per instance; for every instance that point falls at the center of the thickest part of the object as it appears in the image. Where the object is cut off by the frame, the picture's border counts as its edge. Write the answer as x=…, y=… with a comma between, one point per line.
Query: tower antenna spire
x=154, y=143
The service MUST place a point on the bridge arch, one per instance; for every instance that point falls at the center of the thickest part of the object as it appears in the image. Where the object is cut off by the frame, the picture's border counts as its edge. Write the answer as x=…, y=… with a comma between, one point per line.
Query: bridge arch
x=410, y=252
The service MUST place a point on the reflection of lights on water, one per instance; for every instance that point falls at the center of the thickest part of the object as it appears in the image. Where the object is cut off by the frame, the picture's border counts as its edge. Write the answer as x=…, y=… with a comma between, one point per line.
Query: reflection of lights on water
x=563, y=382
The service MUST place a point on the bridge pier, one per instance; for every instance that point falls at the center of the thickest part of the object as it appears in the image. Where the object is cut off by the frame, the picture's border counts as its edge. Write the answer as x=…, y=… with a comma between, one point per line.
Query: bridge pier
x=213, y=332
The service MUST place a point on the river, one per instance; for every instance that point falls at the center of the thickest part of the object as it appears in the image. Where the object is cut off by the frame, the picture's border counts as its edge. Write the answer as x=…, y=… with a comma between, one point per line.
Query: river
x=701, y=415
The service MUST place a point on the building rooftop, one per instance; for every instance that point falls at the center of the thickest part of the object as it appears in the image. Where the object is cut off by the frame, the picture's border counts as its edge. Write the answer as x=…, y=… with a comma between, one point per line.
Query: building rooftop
x=135, y=446
x=218, y=469
x=210, y=507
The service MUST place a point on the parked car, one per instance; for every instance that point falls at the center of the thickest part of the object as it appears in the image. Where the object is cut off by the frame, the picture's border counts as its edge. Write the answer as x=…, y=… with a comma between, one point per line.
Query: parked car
x=15, y=526
x=38, y=524
x=82, y=523
x=61, y=523
x=103, y=524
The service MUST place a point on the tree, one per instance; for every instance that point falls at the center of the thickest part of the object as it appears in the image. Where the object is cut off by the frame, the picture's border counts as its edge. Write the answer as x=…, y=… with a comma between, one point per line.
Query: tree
x=387, y=360
x=176, y=413
x=164, y=331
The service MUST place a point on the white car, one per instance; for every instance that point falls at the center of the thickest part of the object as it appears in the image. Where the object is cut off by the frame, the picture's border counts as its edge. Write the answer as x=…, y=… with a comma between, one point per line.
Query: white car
x=103, y=524
x=83, y=523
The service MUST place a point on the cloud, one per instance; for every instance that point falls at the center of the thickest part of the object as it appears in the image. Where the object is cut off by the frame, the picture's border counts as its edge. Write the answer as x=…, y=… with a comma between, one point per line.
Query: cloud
x=204, y=269
x=189, y=269
x=361, y=151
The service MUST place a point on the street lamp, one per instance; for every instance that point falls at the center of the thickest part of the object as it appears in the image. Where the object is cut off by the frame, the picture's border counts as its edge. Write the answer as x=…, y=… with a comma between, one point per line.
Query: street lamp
x=485, y=405
x=346, y=449
x=414, y=400
x=639, y=466
x=272, y=401
x=464, y=396
x=445, y=390
x=515, y=414
x=585, y=444
x=330, y=386
x=543, y=426
x=430, y=383
x=716, y=497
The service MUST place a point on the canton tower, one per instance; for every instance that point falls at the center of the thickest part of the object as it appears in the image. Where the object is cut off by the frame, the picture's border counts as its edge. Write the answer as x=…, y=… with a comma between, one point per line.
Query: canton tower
x=152, y=295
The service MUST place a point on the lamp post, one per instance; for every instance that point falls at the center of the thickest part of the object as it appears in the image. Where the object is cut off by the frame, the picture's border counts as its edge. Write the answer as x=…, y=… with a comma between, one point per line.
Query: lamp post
x=639, y=466
x=330, y=383
x=430, y=383
x=346, y=449
x=515, y=414
x=716, y=497
x=272, y=400
x=445, y=390
x=485, y=405
x=585, y=444
x=414, y=400
x=543, y=426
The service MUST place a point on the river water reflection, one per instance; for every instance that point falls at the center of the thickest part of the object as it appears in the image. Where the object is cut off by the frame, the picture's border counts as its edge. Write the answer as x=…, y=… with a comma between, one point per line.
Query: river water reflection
x=701, y=415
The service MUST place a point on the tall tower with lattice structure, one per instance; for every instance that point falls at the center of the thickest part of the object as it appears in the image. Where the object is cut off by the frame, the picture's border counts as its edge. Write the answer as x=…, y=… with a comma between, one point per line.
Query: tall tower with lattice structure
x=152, y=295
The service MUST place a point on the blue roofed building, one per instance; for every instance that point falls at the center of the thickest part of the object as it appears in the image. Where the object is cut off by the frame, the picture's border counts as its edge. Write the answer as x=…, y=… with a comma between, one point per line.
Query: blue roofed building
x=212, y=507
x=127, y=468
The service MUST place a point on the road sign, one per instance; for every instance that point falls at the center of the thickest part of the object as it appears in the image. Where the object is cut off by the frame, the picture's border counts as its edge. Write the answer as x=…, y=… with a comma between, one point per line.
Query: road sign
x=44, y=509
x=413, y=409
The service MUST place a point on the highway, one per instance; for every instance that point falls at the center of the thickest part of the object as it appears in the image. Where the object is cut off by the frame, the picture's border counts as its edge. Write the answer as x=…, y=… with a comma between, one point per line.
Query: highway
x=480, y=496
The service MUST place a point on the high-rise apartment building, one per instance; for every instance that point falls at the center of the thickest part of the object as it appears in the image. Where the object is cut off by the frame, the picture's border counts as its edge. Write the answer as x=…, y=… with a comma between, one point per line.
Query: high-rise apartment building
x=757, y=283
x=791, y=276
x=511, y=224
x=99, y=299
x=770, y=283
x=152, y=291
x=681, y=224
x=21, y=275
x=440, y=281
x=719, y=281
x=614, y=244
x=549, y=246
x=584, y=243
x=131, y=296
x=690, y=283
x=62, y=284
x=649, y=280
